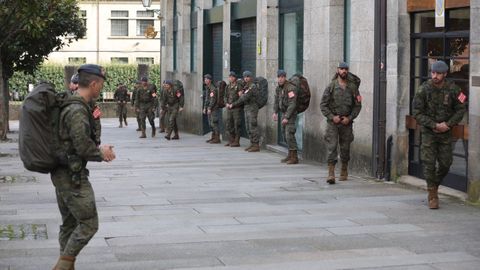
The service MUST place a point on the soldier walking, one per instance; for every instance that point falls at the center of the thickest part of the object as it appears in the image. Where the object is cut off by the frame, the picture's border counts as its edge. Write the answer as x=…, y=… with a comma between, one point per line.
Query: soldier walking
x=249, y=100
x=172, y=101
x=163, y=113
x=286, y=104
x=134, y=102
x=211, y=109
x=146, y=102
x=438, y=105
x=234, y=118
x=75, y=196
x=121, y=97
x=341, y=104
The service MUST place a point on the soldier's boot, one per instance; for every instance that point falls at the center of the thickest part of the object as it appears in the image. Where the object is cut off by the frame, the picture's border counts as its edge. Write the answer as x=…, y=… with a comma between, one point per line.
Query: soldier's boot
x=65, y=263
x=236, y=142
x=216, y=138
x=293, y=158
x=433, y=198
x=248, y=148
x=287, y=158
x=125, y=120
x=144, y=134
x=230, y=141
x=121, y=125
x=255, y=148
x=138, y=129
x=344, y=172
x=176, y=137
x=331, y=174
x=154, y=130
x=211, y=138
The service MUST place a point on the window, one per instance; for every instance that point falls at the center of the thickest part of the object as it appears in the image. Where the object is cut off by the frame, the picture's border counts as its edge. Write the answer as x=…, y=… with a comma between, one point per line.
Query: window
x=193, y=53
x=193, y=6
x=145, y=60
x=83, y=17
x=77, y=60
x=119, y=60
x=119, y=27
x=142, y=24
x=217, y=3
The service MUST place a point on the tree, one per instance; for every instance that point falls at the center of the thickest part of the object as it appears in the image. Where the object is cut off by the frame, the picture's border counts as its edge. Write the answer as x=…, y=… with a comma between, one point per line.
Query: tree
x=29, y=32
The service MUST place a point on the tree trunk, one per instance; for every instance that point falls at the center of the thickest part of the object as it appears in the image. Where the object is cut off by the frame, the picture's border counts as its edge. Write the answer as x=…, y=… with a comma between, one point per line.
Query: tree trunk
x=3, y=105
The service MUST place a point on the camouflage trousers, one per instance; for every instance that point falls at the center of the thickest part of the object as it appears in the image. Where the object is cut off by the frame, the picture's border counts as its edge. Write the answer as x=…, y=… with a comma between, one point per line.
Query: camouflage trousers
x=289, y=131
x=147, y=112
x=336, y=135
x=436, y=149
x=122, y=111
x=78, y=210
x=214, y=120
x=172, y=118
x=251, y=114
x=234, y=122
x=162, y=119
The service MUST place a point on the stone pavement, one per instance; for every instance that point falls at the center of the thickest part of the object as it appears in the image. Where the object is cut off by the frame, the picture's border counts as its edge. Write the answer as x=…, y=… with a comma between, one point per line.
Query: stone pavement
x=189, y=205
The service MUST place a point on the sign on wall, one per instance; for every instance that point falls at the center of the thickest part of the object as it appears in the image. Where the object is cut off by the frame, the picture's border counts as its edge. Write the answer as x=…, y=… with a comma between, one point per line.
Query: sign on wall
x=439, y=13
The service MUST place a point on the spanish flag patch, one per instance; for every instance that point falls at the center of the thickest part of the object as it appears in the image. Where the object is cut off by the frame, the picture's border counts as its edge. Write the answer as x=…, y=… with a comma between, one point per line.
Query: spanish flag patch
x=359, y=98
x=291, y=94
x=462, y=97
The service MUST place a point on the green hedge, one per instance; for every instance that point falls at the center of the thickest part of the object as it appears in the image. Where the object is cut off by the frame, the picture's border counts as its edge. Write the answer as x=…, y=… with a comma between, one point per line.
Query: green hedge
x=54, y=73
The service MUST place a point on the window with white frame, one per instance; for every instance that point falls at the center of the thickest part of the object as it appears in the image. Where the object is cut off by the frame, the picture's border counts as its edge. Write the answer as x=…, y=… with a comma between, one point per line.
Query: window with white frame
x=145, y=60
x=119, y=60
x=119, y=23
x=144, y=19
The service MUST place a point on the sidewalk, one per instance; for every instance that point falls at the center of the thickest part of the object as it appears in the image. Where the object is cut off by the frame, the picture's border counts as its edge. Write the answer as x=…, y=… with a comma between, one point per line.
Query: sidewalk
x=190, y=205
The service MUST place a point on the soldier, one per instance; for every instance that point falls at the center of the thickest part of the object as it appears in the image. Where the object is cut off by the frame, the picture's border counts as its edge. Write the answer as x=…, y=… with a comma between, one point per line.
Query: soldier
x=286, y=103
x=73, y=85
x=162, y=114
x=74, y=192
x=173, y=102
x=133, y=103
x=341, y=103
x=234, y=119
x=438, y=105
x=212, y=109
x=121, y=97
x=146, y=102
x=249, y=99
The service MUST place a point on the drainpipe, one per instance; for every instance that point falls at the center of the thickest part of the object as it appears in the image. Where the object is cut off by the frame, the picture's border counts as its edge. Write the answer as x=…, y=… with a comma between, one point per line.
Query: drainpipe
x=98, y=32
x=380, y=90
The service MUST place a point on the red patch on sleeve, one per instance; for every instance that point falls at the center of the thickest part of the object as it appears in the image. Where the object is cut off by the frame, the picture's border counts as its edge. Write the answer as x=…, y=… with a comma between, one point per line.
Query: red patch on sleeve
x=211, y=94
x=462, y=97
x=154, y=94
x=179, y=94
x=359, y=98
x=96, y=112
x=291, y=94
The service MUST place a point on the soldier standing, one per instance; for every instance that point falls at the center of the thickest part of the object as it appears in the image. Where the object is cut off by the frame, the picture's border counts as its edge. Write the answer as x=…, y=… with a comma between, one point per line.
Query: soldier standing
x=134, y=101
x=234, y=119
x=286, y=103
x=162, y=114
x=146, y=101
x=121, y=97
x=341, y=103
x=437, y=106
x=249, y=99
x=173, y=102
x=75, y=196
x=211, y=109
x=73, y=85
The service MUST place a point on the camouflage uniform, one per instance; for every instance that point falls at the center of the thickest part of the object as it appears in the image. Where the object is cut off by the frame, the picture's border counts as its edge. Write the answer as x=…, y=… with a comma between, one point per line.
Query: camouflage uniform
x=163, y=113
x=146, y=102
x=432, y=105
x=97, y=125
x=212, y=105
x=134, y=103
x=171, y=101
x=286, y=103
x=234, y=117
x=74, y=192
x=249, y=99
x=342, y=102
x=121, y=97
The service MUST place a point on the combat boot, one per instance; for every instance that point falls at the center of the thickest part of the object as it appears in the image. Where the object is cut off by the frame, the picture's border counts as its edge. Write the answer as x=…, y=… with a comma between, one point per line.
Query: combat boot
x=216, y=138
x=433, y=197
x=344, y=172
x=65, y=263
x=255, y=148
x=293, y=158
x=287, y=158
x=230, y=141
x=154, y=130
x=176, y=137
x=236, y=142
x=125, y=120
x=331, y=174
x=169, y=133
x=211, y=138
x=144, y=135
x=138, y=129
x=121, y=125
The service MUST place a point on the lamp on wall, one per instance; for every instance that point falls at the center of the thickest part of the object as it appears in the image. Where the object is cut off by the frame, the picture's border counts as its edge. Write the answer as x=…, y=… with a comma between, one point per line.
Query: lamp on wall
x=147, y=3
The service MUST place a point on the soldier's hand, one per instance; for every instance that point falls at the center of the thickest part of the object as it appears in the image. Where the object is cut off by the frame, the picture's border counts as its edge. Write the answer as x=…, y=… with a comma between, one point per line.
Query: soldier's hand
x=337, y=119
x=137, y=109
x=284, y=121
x=345, y=120
x=181, y=109
x=209, y=111
x=275, y=117
x=204, y=111
x=441, y=127
x=107, y=152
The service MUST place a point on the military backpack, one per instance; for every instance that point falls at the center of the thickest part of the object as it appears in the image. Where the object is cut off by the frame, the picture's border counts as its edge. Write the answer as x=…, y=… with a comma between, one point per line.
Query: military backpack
x=178, y=86
x=303, y=92
x=221, y=86
x=262, y=94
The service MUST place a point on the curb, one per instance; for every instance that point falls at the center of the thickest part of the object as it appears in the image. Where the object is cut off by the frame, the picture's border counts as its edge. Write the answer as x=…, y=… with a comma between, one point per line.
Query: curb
x=421, y=184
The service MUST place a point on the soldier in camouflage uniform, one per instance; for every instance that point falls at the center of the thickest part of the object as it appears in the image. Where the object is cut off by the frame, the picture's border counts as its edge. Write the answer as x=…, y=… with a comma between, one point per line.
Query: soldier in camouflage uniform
x=341, y=104
x=75, y=196
x=163, y=113
x=212, y=109
x=286, y=103
x=437, y=106
x=121, y=97
x=249, y=100
x=134, y=101
x=234, y=118
x=146, y=102
x=172, y=101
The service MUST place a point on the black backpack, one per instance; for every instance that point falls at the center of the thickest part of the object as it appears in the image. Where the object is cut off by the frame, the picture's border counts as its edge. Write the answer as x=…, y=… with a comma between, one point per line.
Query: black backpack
x=303, y=92
x=178, y=86
x=221, y=94
x=262, y=96
x=39, y=123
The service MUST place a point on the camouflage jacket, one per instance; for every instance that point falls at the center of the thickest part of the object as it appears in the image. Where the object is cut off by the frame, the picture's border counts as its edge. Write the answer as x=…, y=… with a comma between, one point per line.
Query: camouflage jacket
x=433, y=105
x=249, y=97
x=286, y=100
x=121, y=94
x=211, y=102
x=146, y=97
x=339, y=101
x=233, y=92
x=171, y=98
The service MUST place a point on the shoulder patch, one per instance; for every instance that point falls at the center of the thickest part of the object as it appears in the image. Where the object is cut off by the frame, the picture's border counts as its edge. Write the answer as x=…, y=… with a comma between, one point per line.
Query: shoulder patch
x=212, y=94
x=291, y=94
x=359, y=98
x=97, y=113
x=462, y=97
